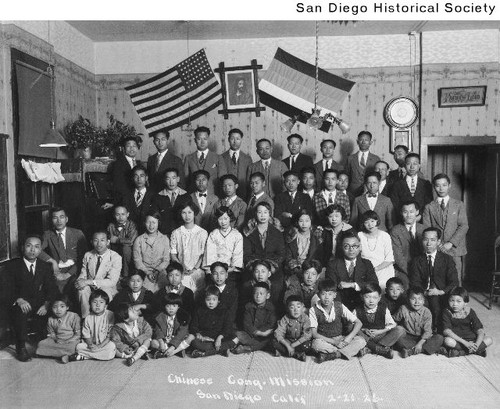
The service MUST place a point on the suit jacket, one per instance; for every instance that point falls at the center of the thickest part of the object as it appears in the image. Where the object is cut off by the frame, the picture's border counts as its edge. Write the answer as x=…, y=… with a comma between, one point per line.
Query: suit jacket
x=239, y=170
x=239, y=209
x=320, y=205
x=302, y=161
x=292, y=248
x=180, y=330
x=169, y=219
x=393, y=176
x=401, y=193
x=251, y=210
x=138, y=213
x=357, y=173
x=76, y=246
x=318, y=167
x=404, y=247
x=283, y=203
x=108, y=274
x=205, y=219
x=213, y=164
x=274, y=179
x=121, y=173
x=274, y=250
x=445, y=272
x=452, y=223
x=383, y=208
x=156, y=177
x=36, y=289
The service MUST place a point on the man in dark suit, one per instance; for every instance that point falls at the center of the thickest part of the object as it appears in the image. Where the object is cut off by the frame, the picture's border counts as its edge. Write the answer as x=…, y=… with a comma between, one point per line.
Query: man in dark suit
x=257, y=195
x=399, y=156
x=327, y=147
x=360, y=162
x=296, y=161
x=434, y=271
x=204, y=159
x=350, y=272
x=375, y=201
x=382, y=168
x=204, y=200
x=237, y=162
x=343, y=186
x=121, y=168
x=34, y=289
x=138, y=201
x=64, y=248
x=289, y=203
x=162, y=160
x=412, y=187
x=272, y=169
x=406, y=241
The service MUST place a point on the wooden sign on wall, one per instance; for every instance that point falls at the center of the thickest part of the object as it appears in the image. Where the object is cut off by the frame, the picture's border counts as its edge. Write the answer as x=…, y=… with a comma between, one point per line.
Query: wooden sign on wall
x=462, y=96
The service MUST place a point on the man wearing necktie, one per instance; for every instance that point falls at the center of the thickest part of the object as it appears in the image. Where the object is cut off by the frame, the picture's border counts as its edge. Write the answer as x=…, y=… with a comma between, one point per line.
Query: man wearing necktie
x=121, y=169
x=434, y=271
x=297, y=160
x=327, y=148
x=399, y=156
x=162, y=160
x=203, y=199
x=290, y=202
x=237, y=162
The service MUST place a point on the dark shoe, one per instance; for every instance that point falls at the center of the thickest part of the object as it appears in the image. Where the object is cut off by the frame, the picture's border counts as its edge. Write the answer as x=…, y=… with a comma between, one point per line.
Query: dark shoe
x=146, y=357
x=197, y=354
x=130, y=361
x=321, y=358
x=364, y=351
x=405, y=353
x=453, y=353
x=225, y=352
x=301, y=356
x=482, y=353
x=384, y=351
x=157, y=355
x=242, y=349
x=443, y=351
x=334, y=355
x=23, y=355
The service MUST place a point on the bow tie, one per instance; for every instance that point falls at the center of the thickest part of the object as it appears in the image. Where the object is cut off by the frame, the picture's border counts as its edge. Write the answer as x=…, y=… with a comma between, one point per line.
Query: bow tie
x=372, y=195
x=177, y=288
x=202, y=195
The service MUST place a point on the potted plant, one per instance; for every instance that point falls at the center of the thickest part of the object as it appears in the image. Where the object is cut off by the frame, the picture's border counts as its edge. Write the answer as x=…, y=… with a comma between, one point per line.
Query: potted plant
x=82, y=137
x=110, y=139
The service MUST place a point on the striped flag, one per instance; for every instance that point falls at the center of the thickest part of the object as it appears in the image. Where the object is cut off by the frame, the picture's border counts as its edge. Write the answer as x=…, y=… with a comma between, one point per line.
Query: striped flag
x=178, y=95
x=289, y=83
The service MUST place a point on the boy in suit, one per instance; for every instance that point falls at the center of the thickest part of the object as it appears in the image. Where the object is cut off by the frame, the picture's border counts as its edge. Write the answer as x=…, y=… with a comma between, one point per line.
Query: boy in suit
x=204, y=159
x=237, y=162
x=64, y=248
x=289, y=203
x=34, y=288
x=412, y=187
x=448, y=215
x=138, y=202
x=375, y=201
x=100, y=270
x=434, y=271
x=407, y=240
x=327, y=148
x=258, y=194
x=162, y=160
x=121, y=170
x=308, y=181
x=360, y=162
x=204, y=200
x=349, y=271
x=272, y=169
x=328, y=196
x=296, y=161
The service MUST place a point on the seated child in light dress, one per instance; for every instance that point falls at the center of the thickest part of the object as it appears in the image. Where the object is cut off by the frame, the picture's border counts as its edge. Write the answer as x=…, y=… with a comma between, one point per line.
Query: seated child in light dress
x=259, y=321
x=171, y=328
x=327, y=321
x=293, y=335
x=95, y=331
x=122, y=233
x=394, y=296
x=211, y=330
x=463, y=331
x=416, y=319
x=175, y=273
x=379, y=329
x=63, y=330
x=307, y=286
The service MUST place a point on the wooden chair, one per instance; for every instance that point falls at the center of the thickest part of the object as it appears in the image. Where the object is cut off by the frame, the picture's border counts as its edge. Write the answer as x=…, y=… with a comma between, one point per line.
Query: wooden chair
x=495, y=276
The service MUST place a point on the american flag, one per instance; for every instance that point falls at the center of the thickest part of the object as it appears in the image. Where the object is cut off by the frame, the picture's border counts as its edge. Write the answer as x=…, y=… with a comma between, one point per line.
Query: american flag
x=178, y=95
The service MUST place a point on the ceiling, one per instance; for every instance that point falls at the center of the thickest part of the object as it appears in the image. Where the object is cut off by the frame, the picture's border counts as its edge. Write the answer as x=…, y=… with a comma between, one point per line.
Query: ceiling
x=108, y=31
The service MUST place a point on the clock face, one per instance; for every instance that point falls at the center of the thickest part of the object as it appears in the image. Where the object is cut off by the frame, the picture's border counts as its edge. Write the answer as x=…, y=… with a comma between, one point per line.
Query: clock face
x=401, y=112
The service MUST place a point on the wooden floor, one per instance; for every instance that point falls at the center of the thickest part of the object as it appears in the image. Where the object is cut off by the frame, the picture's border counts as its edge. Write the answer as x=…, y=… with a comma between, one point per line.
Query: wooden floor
x=259, y=380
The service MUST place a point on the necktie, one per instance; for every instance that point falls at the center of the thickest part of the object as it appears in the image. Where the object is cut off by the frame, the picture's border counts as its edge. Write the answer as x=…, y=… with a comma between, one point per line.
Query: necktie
x=330, y=198
x=158, y=161
x=351, y=269
x=172, y=200
x=431, y=271
x=291, y=197
x=443, y=206
x=32, y=269
x=292, y=162
x=234, y=158
x=401, y=173
x=252, y=201
x=413, y=187
x=202, y=158
x=62, y=246
x=99, y=259
x=138, y=199
x=363, y=160
x=134, y=163
x=60, y=240
x=412, y=233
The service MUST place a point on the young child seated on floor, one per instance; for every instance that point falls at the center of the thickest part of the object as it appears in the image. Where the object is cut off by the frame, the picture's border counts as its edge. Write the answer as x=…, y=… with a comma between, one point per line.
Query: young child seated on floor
x=394, y=296
x=379, y=329
x=307, y=286
x=416, y=319
x=171, y=328
x=136, y=295
x=259, y=321
x=293, y=334
x=211, y=330
x=327, y=317
x=95, y=331
x=175, y=274
x=261, y=273
x=228, y=294
x=122, y=233
x=63, y=330
x=131, y=334
x=463, y=331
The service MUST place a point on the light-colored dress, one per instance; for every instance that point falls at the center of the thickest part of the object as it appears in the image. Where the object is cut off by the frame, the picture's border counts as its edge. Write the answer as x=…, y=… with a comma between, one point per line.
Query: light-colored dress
x=378, y=250
x=97, y=328
x=189, y=245
x=152, y=253
x=66, y=331
x=226, y=248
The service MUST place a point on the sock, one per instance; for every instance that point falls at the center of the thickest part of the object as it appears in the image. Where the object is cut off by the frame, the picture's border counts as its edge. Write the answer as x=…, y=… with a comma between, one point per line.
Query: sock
x=183, y=345
x=140, y=352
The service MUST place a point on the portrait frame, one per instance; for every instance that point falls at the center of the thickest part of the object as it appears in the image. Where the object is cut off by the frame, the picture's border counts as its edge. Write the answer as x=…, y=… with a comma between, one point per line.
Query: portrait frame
x=240, y=89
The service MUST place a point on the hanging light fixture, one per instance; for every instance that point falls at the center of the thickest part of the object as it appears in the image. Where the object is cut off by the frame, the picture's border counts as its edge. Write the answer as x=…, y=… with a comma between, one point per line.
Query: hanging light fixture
x=52, y=138
x=289, y=124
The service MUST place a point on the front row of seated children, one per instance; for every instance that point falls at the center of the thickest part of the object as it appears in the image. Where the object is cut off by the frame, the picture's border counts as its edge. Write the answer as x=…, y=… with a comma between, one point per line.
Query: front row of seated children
x=327, y=329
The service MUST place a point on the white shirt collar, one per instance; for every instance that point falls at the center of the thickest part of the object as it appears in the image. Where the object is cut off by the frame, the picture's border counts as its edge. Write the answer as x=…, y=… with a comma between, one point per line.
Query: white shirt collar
x=162, y=154
x=433, y=255
x=142, y=190
x=205, y=152
x=231, y=153
x=230, y=201
x=348, y=263
x=221, y=287
x=326, y=194
x=309, y=192
x=412, y=227
x=446, y=200
x=63, y=232
x=257, y=196
x=29, y=263
x=131, y=160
